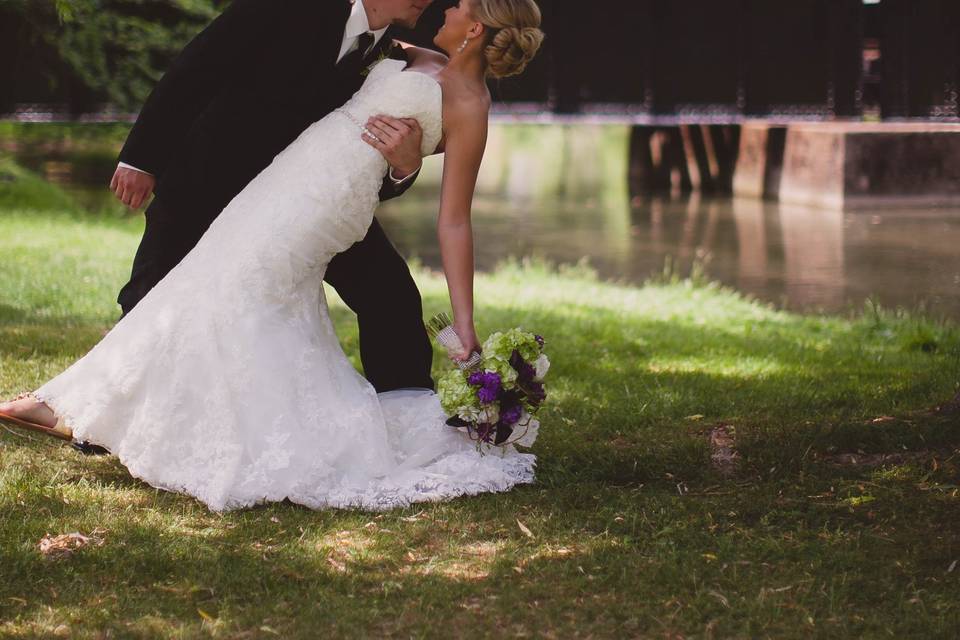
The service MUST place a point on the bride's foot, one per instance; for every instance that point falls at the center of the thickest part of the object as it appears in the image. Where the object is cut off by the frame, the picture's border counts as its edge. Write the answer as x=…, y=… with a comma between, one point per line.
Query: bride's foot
x=29, y=409
x=29, y=413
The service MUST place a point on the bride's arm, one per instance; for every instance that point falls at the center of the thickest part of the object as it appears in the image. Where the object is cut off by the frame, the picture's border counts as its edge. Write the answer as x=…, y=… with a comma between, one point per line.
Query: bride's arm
x=465, y=128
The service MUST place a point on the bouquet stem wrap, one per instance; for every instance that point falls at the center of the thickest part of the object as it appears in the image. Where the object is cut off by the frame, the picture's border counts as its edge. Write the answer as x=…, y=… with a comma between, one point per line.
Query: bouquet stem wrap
x=442, y=330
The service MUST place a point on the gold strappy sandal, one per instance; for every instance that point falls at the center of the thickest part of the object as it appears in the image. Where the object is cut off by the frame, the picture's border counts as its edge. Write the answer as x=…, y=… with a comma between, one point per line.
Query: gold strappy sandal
x=60, y=431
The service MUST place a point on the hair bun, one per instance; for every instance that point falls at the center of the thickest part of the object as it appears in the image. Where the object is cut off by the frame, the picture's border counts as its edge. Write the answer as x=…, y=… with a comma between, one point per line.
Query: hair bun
x=511, y=49
x=513, y=32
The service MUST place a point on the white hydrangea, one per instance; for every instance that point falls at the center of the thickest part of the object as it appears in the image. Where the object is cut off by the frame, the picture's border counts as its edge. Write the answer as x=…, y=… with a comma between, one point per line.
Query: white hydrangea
x=542, y=365
x=489, y=414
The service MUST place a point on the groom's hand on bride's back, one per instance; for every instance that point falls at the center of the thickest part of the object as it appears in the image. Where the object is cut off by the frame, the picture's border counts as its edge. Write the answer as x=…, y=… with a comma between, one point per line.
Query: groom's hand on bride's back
x=132, y=187
x=398, y=140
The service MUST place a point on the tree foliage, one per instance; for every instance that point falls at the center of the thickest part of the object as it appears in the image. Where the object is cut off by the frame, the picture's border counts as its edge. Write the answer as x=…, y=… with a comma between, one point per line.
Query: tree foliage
x=115, y=50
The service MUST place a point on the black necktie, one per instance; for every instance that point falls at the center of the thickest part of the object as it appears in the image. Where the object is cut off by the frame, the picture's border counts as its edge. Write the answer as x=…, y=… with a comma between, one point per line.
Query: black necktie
x=355, y=57
x=364, y=42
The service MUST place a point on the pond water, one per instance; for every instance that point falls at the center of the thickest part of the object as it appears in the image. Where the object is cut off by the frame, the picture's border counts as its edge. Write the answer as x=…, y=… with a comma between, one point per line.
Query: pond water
x=561, y=193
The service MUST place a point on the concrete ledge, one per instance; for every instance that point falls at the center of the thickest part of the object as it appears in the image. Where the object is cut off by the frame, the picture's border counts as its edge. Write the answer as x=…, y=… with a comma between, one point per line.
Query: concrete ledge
x=760, y=161
x=813, y=167
x=852, y=165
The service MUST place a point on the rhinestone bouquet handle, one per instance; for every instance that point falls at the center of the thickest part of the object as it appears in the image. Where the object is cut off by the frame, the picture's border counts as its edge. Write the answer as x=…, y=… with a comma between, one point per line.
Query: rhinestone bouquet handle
x=441, y=329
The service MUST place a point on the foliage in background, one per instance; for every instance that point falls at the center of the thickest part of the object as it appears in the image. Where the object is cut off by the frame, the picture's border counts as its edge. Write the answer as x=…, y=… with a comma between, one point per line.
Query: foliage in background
x=19, y=186
x=114, y=49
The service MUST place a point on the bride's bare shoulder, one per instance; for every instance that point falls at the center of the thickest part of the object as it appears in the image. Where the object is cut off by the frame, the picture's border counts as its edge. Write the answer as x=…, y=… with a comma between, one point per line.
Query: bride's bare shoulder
x=465, y=114
x=467, y=99
x=421, y=56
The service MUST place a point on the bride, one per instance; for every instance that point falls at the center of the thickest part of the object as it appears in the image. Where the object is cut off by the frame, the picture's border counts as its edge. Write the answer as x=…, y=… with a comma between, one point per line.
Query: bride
x=227, y=381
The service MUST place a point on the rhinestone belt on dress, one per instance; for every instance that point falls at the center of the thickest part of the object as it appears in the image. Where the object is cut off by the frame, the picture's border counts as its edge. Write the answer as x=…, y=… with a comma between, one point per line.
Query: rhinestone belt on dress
x=363, y=127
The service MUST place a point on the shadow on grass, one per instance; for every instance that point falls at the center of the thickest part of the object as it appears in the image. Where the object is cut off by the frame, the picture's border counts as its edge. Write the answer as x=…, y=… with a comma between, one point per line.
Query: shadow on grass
x=57, y=338
x=603, y=559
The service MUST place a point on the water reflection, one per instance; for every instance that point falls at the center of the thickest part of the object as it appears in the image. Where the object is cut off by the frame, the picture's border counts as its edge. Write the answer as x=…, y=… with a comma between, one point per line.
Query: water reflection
x=752, y=265
x=813, y=256
x=562, y=193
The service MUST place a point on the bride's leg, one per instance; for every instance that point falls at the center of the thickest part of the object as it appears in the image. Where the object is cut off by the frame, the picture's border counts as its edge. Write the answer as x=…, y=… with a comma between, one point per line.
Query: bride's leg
x=29, y=409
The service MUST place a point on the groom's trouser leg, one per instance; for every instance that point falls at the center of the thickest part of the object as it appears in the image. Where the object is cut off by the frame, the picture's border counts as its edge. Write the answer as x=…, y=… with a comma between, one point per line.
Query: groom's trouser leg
x=166, y=241
x=374, y=281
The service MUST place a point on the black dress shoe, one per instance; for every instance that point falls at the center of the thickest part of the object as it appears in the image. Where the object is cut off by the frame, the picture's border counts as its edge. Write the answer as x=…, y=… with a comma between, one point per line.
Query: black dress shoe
x=88, y=449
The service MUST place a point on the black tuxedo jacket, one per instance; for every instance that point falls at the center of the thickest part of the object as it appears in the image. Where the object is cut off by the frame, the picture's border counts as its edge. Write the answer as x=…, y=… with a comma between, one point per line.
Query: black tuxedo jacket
x=238, y=94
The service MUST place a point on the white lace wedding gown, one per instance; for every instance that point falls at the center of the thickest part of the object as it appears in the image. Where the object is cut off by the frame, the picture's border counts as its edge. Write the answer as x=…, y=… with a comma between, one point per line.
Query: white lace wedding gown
x=227, y=381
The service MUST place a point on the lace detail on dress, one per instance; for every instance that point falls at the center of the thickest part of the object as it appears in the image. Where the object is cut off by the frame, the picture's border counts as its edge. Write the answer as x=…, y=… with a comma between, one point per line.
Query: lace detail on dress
x=227, y=381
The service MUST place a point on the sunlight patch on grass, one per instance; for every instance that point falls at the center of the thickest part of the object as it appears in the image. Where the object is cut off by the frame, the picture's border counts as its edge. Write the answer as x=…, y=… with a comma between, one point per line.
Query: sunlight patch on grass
x=463, y=561
x=745, y=367
x=107, y=497
x=343, y=549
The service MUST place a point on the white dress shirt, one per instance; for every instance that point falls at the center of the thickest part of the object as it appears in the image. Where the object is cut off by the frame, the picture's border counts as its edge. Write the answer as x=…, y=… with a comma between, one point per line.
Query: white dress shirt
x=357, y=25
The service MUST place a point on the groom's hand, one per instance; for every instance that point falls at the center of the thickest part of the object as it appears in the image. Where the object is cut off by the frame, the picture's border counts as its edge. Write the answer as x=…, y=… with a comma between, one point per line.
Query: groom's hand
x=132, y=187
x=398, y=140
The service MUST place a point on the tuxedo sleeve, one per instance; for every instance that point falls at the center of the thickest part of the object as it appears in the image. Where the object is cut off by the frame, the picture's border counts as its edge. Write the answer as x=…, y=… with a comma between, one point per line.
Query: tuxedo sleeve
x=214, y=57
x=389, y=189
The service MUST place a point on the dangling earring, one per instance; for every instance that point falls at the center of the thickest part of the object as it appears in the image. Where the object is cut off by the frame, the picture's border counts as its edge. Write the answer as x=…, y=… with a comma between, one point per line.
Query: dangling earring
x=463, y=46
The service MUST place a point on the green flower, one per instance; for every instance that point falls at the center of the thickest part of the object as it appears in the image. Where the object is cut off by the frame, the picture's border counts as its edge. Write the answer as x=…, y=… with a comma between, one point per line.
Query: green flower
x=500, y=346
x=457, y=397
x=500, y=366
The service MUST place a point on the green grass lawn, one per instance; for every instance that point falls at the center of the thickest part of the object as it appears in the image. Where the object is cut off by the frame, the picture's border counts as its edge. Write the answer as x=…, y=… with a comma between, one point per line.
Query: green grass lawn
x=633, y=533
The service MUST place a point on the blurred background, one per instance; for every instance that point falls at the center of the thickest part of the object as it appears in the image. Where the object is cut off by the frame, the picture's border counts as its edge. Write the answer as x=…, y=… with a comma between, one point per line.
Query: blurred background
x=805, y=152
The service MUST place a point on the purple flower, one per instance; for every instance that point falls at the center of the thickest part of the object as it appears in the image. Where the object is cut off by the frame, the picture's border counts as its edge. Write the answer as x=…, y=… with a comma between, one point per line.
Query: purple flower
x=540, y=340
x=485, y=378
x=510, y=398
x=486, y=432
x=535, y=393
x=512, y=415
x=525, y=371
x=490, y=385
x=487, y=395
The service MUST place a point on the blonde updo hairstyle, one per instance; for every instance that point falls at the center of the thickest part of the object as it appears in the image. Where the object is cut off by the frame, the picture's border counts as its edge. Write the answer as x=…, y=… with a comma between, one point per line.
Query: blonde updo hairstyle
x=513, y=34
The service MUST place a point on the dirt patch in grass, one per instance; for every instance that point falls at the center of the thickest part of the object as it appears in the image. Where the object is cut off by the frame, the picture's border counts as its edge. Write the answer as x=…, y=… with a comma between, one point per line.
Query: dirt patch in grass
x=723, y=453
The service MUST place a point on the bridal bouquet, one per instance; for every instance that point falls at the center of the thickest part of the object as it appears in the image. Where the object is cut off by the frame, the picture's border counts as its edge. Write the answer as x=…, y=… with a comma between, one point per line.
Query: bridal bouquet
x=496, y=396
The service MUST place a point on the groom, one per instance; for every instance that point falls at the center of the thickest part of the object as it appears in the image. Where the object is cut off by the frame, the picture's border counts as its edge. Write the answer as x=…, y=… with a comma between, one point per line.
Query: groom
x=237, y=95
